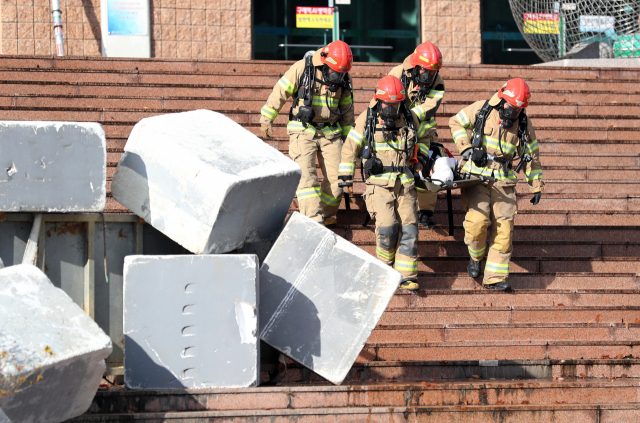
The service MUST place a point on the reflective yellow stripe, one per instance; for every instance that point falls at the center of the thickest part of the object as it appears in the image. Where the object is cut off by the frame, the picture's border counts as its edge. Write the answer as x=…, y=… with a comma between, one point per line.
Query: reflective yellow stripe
x=477, y=253
x=330, y=130
x=470, y=167
x=497, y=267
x=459, y=134
x=419, y=112
x=268, y=112
x=383, y=146
x=499, y=174
x=306, y=193
x=495, y=144
x=532, y=146
x=288, y=86
x=389, y=177
x=356, y=137
x=436, y=94
x=423, y=149
x=533, y=174
x=407, y=265
x=404, y=178
x=463, y=119
x=320, y=101
x=426, y=125
x=329, y=199
x=385, y=254
x=294, y=125
x=347, y=167
x=345, y=130
x=345, y=101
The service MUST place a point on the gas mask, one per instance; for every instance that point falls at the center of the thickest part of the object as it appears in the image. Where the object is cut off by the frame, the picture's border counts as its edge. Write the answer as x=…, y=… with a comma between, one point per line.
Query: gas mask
x=425, y=80
x=508, y=115
x=388, y=115
x=333, y=80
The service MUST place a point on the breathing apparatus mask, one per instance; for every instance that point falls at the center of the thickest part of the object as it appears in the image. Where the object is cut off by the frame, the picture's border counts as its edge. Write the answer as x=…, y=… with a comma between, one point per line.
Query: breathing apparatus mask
x=389, y=114
x=332, y=79
x=424, y=80
x=509, y=114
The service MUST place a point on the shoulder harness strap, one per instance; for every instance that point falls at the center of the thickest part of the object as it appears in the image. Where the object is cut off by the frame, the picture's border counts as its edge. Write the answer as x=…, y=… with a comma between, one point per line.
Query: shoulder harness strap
x=481, y=120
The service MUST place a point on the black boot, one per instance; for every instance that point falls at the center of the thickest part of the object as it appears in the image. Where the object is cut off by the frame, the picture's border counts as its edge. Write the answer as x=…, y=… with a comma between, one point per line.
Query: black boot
x=409, y=284
x=498, y=286
x=425, y=218
x=473, y=268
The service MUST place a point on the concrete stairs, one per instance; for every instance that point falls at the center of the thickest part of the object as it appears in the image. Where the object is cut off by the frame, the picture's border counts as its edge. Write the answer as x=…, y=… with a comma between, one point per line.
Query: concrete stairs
x=562, y=347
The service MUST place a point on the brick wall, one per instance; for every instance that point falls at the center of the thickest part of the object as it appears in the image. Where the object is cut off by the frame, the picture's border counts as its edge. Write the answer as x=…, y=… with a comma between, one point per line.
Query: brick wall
x=27, y=27
x=201, y=29
x=454, y=26
x=206, y=29
x=195, y=29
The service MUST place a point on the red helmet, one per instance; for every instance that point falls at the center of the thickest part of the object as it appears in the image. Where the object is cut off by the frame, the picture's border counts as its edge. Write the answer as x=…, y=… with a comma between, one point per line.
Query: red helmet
x=426, y=55
x=337, y=55
x=390, y=89
x=516, y=92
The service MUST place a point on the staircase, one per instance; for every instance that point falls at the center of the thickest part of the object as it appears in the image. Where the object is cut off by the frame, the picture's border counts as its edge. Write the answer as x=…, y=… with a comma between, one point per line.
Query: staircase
x=561, y=348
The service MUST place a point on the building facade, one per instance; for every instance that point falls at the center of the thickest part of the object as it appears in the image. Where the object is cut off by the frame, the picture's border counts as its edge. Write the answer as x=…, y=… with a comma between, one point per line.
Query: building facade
x=258, y=29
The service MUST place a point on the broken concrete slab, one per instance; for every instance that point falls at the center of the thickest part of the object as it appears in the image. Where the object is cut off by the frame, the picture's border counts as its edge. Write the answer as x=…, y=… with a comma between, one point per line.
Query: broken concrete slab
x=52, y=167
x=191, y=321
x=3, y=417
x=205, y=181
x=321, y=296
x=54, y=352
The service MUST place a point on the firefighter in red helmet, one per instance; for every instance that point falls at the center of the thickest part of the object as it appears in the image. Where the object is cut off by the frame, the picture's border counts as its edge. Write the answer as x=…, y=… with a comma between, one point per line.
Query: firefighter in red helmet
x=420, y=75
x=502, y=134
x=320, y=119
x=392, y=140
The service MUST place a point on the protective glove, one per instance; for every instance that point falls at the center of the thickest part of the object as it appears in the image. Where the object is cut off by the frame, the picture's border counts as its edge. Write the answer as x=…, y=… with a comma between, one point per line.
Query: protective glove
x=466, y=154
x=346, y=183
x=479, y=158
x=265, y=131
x=536, y=198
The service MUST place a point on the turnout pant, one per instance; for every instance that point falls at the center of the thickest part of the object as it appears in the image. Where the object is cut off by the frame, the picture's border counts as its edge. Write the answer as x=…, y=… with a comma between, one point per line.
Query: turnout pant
x=315, y=200
x=427, y=199
x=494, y=207
x=395, y=210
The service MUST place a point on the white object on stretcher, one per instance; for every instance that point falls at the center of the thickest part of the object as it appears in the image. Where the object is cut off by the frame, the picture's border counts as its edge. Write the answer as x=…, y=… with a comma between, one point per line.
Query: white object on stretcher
x=443, y=170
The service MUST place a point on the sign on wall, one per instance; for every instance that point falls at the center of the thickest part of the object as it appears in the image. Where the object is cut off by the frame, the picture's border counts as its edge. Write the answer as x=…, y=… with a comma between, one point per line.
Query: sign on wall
x=314, y=17
x=128, y=17
x=541, y=23
x=596, y=23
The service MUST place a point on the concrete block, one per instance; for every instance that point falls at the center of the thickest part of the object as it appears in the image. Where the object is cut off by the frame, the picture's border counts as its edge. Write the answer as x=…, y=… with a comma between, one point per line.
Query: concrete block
x=52, y=167
x=204, y=181
x=321, y=296
x=191, y=322
x=3, y=417
x=50, y=341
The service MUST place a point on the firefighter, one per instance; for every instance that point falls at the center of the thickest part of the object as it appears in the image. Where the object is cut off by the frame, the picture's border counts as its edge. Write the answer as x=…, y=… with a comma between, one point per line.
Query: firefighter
x=420, y=76
x=317, y=129
x=387, y=133
x=504, y=133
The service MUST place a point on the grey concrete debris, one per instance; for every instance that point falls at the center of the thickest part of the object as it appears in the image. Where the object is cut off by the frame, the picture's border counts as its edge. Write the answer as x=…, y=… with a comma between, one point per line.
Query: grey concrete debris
x=191, y=321
x=1, y=264
x=321, y=296
x=52, y=167
x=204, y=181
x=51, y=342
x=3, y=417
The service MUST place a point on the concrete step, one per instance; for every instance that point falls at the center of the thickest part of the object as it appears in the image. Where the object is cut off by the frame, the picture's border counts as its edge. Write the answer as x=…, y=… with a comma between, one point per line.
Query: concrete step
x=320, y=395
x=602, y=368
x=529, y=332
x=498, y=350
x=523, y=281
x=510, y=315
x=548, y=297
x=556, y=413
